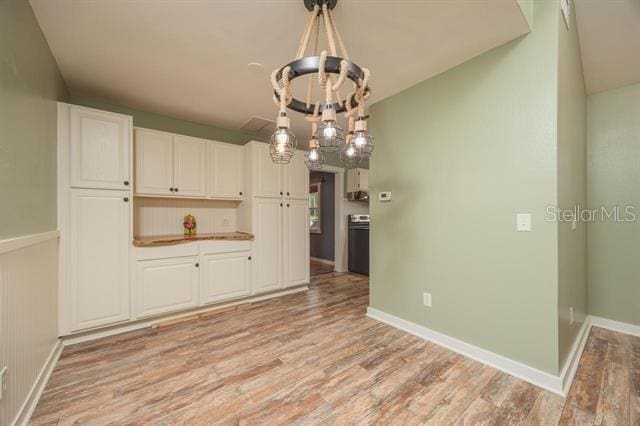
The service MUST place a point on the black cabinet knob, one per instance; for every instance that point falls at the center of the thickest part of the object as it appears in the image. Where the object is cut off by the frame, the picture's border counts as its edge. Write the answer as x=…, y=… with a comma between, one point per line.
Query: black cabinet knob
x=287, y=205
x=287, y=193
x=126, y=199
x=126, y=183
x=175, y=189
x=171, y=189
x=280, y=192
x=280, y=204
x=197, y=265
x=240, y=192
x=249, y=258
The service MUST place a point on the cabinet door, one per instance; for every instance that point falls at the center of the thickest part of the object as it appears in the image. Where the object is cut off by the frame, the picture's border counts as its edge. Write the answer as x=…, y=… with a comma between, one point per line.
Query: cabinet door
x=297, y=177
x=166, y=285
x=100, y=149
x=189, y=166
x=267, y=261
x=225, y=276
x=357, y=180
x=224, y=171
x=99, y=244
x=154, y=163
x=268, y=175
x=296, y=246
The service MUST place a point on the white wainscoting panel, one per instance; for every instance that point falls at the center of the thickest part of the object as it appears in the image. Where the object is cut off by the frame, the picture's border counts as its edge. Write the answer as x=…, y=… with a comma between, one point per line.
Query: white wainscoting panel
x=157, y=216
x=28, y=321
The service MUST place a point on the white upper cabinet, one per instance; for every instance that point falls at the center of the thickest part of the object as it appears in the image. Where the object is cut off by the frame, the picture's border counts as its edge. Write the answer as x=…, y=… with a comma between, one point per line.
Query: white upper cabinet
x=357, y=180
x=100, y=149
x=268, y=176
x=189, y=165
x=180, y=166
x=99, y=246
x=296, y=223
x=297, y=178
x=154, y=163
x=224, y=171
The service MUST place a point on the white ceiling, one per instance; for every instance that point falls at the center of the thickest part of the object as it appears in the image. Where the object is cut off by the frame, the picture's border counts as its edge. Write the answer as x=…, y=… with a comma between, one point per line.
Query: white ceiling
x=610, y=42
x=188, y=59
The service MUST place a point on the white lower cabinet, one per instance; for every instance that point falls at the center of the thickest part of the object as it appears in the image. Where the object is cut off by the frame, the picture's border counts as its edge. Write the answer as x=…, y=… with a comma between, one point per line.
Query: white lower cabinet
x=225, y=276
x=268, y=226
x=296, y=253
x=98, y=244
x=167, y=285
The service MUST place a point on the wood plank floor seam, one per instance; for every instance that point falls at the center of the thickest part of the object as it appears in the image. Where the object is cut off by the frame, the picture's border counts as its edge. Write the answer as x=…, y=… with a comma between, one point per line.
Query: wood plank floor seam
x=316, y=358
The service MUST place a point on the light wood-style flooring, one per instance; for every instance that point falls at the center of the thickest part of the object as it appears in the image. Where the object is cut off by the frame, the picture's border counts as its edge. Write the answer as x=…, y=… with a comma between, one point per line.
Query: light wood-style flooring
x=314, y=357
x=319, y=268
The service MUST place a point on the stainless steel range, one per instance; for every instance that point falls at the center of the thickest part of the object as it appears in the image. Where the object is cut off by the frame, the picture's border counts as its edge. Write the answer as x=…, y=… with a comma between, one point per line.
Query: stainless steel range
x=359, y=243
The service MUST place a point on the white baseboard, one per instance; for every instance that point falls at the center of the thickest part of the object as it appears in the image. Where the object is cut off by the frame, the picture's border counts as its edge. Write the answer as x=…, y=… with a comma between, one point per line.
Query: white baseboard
x=320, y=260
x=87, y=336
x=622, y=327
x=573, y=360
x=556, y=384
x=30, y=403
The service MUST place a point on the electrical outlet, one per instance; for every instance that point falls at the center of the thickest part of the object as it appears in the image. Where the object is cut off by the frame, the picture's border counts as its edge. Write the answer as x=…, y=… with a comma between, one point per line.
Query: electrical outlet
x=3, y=384
x=426, y=299
x=571, y=315
x=226, y=221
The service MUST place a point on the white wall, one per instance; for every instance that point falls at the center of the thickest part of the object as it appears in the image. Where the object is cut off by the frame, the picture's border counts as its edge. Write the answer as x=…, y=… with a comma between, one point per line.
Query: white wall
x=28, y=318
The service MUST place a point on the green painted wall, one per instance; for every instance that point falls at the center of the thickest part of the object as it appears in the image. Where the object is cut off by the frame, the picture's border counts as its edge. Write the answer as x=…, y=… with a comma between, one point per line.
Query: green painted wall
x=463, y=152
x=613, y=172
x=30, y=85
x=572, y=186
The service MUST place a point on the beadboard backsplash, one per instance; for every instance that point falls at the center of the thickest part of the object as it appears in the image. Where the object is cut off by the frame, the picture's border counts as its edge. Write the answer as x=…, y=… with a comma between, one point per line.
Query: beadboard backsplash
x=156, y=216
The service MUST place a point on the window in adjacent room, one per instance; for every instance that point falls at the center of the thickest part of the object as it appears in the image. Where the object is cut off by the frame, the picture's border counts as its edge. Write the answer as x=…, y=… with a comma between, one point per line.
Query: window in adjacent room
x=314, y=208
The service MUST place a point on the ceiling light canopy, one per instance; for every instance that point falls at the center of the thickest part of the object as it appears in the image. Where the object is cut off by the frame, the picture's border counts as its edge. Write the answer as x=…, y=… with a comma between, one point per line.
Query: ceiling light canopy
x=334, y=72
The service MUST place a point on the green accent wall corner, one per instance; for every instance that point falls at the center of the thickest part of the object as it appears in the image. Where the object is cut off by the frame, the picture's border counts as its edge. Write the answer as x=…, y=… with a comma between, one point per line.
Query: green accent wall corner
x=30, y=85
x=613, y=173
x=463, y=152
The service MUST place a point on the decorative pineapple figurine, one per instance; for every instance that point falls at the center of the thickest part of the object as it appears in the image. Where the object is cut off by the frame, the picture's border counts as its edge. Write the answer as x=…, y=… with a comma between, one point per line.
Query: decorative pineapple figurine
x=189, y=225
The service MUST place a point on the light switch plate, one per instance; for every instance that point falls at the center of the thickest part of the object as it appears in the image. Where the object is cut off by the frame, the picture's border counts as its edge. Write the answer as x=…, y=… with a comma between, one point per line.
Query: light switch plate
x=523, y=222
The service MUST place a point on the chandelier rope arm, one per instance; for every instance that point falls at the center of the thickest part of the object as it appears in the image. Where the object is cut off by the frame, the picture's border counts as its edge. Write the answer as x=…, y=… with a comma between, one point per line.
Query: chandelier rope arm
x=333, y=72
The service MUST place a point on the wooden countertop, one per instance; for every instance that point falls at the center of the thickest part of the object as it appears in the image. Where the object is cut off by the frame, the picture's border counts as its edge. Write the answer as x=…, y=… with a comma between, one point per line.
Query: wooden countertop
x=165, y=240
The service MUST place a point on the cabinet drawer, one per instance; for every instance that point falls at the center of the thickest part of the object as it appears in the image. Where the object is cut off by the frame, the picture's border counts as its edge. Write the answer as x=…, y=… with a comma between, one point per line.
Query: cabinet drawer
x=223, y=246
x=166, y=285
x=165, y=252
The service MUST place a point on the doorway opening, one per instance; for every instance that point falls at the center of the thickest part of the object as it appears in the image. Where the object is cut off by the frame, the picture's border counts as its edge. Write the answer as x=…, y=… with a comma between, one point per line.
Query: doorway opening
x=322, y=222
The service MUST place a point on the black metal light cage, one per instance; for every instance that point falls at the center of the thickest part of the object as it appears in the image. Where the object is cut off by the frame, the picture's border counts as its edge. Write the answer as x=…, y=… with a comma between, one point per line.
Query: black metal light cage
x=311, y=65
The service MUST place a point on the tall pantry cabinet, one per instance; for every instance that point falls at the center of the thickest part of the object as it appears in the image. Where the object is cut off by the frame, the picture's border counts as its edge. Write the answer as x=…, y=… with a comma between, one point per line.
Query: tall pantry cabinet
x=94, y=217
x=276, y=211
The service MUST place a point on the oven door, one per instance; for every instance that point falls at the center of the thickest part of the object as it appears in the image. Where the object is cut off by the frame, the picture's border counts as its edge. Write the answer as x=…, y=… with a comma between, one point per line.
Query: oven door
x=359, y=249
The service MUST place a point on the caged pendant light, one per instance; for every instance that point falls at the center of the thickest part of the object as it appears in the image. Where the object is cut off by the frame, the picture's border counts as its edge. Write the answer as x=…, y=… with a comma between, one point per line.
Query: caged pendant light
x=334, y=71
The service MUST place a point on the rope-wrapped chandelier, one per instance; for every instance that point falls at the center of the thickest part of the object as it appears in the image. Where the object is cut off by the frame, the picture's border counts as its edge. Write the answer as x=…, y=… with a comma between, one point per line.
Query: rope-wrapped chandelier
x=333, y=72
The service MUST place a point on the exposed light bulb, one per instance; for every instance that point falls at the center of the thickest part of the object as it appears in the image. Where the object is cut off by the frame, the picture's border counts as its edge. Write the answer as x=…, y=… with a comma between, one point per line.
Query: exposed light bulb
x=351, y=151
x=313, y=155
x=360, y=141
x=329, y=131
